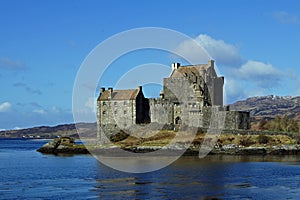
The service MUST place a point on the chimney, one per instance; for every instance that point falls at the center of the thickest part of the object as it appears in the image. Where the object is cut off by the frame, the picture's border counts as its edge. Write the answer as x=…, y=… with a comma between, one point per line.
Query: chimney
x=140, y=88
x=175, y=66
x=102, y=90
x=110, y=91
x=211, y=62
x=161, y=95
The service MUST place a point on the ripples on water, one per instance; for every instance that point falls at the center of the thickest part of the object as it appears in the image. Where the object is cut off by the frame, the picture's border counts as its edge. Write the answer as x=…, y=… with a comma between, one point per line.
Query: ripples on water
x=27, y=174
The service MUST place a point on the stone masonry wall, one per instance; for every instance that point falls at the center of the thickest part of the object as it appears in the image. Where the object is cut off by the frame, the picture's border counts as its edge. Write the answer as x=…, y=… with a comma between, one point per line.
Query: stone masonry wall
x=119, y=112
x=161, y=111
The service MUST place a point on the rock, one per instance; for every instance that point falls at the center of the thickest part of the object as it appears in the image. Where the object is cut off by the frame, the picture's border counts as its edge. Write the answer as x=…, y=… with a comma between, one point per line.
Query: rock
x=251, y=151
x=229, y=147
x=285, y=150
x=63, y=145
x=68, y=146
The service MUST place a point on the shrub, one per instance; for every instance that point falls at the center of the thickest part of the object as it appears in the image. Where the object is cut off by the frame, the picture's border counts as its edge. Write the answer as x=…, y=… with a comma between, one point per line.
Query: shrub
x=263, y=139
x=297, y=138
x=247, y=141
x=119, y=136
x=281, y=123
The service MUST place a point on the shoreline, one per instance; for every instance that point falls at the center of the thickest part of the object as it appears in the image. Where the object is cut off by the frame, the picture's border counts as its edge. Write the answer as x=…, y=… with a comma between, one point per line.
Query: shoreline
x=224, y=144
x=191, y=151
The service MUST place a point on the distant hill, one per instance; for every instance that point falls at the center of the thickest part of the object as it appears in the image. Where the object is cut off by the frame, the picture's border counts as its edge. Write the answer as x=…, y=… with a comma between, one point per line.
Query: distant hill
x=51, y=131
x=270, y=106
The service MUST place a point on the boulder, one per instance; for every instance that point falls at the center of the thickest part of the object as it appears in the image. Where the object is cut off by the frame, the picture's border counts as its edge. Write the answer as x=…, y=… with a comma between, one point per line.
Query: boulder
x=63, y=145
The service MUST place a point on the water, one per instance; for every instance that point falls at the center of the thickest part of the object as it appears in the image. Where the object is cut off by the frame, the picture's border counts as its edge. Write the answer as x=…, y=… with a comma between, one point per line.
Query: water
x=27, y=174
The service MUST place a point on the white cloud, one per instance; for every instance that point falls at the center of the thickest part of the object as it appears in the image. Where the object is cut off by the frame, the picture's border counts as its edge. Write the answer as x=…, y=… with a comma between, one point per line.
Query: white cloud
x=244, y=77
x=252, y=69
x=263, y=75
x=39, y=111
x=285, y=17
x=4, y=107
x=223, y=53
x=234, y=90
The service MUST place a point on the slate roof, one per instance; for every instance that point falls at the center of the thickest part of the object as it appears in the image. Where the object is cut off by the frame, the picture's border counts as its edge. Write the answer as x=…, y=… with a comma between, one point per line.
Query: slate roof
x=119, y=95
x=189, y=69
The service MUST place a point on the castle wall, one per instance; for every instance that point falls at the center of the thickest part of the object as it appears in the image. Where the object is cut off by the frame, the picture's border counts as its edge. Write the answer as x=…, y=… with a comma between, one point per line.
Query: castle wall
x=217, y=91
x=237, y=120
x=161, y=111
x=119, y=112
x=170, y=88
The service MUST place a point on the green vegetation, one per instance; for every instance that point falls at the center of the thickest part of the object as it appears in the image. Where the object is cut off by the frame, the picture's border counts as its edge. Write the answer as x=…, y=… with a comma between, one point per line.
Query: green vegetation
x=255, y=140
x=263, y=139
x=164, y=137
x=119, y=136
x=280, y=124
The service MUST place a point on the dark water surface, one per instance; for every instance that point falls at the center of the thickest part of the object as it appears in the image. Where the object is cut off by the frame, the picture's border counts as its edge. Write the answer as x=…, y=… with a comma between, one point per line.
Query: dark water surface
x=27, y=174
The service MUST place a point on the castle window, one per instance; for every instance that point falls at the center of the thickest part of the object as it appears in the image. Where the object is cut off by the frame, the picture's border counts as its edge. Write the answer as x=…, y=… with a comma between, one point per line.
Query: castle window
x=103, y=112
x=125, y=103
x=115, y=103
x=103, y=103
x=115, y=112
x=125, y=112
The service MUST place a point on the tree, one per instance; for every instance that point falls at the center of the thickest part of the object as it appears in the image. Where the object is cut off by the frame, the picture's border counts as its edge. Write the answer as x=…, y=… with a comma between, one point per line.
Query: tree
x=280, y=123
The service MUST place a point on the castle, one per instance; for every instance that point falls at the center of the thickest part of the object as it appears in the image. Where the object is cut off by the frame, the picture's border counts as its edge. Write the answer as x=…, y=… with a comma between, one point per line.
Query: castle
x=189, y=97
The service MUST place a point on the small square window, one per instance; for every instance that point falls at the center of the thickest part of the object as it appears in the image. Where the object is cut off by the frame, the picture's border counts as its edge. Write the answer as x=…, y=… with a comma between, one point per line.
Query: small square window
x=125, y=112
x=103, y=112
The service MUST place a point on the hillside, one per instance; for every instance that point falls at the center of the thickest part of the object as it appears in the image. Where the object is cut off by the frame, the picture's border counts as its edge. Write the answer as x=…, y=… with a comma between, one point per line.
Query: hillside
x=50, y=131
x=270, y=106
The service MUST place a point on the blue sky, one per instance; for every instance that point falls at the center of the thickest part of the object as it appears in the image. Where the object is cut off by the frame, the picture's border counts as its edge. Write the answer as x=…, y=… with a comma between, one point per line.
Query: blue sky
x=256, y=46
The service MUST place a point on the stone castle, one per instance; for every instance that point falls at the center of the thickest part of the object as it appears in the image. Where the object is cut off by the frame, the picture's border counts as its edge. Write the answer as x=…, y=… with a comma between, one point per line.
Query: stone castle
x=189, y=97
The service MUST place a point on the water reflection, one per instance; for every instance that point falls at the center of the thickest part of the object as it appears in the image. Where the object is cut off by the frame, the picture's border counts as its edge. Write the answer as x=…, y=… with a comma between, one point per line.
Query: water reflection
x=214, y=177
x=27, y=174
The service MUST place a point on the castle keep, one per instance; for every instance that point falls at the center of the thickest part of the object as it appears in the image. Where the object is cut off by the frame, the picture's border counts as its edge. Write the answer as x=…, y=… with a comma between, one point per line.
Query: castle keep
x=191, y=96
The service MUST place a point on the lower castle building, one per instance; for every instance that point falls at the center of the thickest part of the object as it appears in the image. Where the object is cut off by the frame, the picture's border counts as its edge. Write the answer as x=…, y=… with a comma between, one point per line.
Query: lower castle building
x=192, y=96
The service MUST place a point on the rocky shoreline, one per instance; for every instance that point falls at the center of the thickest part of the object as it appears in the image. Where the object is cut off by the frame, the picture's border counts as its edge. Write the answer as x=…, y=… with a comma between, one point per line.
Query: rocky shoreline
x=68, y=146
x=65, y=145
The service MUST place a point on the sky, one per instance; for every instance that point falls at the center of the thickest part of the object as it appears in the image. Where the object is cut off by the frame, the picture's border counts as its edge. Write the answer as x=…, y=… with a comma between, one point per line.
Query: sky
x=255, y=44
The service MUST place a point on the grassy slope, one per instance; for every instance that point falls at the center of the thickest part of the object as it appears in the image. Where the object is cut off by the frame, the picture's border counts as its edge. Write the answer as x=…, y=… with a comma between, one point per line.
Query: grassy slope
x=164, y=137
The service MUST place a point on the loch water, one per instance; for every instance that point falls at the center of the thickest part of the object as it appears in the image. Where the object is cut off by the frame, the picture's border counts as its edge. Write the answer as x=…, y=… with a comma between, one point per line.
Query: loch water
x=27, y=174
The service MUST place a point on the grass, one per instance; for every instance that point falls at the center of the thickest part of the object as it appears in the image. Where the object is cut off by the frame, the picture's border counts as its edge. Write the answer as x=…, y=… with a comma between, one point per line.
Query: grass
x=164, y=137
